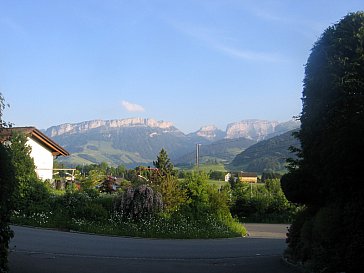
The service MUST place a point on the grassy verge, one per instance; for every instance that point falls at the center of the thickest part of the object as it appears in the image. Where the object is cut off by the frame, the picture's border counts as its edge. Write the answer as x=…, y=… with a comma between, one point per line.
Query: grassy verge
x=150, y=227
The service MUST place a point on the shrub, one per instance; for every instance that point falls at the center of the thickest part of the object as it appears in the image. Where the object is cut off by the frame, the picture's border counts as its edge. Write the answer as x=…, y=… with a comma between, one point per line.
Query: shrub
x=16, y=166
x=326, y=176
x=33, y=196
x=196, y=187
x=138, y=202
x=207, y=202
x=261, y=203
x=7, y=187
x=79, y=205
x=173, y=194
x=217, y=175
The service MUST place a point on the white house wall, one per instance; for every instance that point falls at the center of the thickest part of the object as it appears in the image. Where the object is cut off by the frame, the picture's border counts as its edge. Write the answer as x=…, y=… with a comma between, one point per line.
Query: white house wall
x=43, y=159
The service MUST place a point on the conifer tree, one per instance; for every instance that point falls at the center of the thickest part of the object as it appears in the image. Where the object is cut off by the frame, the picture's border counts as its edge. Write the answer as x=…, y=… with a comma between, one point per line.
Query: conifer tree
x=163, y=163
x=326, y=178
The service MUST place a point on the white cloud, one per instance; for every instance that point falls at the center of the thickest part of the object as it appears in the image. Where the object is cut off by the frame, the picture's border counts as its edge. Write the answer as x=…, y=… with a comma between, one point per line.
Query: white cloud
x=251, y=55
x=132, y=107
x=268, y=16
x=220, y=41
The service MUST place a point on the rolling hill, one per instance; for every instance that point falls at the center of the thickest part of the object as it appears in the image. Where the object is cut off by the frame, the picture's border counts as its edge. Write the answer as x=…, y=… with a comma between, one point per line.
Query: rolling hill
x=266, y=155
x=223, y=151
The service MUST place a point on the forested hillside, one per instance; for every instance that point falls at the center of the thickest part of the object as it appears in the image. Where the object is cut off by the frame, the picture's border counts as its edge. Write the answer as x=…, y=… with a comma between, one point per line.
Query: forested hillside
x=136, y=141
x=266, y=155
x=223, y=150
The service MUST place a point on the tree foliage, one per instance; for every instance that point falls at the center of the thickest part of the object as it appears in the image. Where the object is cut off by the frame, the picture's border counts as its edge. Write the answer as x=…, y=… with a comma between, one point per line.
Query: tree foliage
x=217, y=175
x=3, y=105
x=205, y=200
x=269, y=176
x=172, y=193
x=261, y=203
x=16, y=167
x=163, y=163
x=326, y=178
x=165, y=181
x=267, y=155
x=7, y=187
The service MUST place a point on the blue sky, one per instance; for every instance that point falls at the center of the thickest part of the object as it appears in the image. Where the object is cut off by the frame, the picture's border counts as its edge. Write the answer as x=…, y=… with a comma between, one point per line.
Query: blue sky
x=192, y=62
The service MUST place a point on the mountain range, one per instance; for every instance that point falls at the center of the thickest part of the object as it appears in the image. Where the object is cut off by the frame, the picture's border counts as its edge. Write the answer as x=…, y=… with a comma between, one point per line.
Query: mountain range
x=136, y=141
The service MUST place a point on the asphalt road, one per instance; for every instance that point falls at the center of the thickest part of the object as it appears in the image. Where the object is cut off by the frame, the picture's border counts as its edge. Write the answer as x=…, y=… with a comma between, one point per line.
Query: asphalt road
x=49, y=251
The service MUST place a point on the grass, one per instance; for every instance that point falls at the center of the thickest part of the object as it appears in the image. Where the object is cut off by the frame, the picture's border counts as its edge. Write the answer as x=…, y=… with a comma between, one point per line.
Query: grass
x=93, y=148
x=217, y=183
x=206, y=167
x=150, y=227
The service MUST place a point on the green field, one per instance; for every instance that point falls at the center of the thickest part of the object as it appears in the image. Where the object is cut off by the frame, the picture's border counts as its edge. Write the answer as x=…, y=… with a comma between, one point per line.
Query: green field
x=219, y=184
x=91, y=154
x=208, y=167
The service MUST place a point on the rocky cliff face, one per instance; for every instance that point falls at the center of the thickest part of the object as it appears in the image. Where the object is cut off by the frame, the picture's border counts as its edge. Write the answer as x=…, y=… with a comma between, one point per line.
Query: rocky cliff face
x=210, y=132
x=69, y=128
x=251, y=129
x=139, y=140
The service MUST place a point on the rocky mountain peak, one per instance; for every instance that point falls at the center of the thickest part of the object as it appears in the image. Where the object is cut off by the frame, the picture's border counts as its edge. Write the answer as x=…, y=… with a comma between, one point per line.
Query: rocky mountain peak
x=251, y=129
x=210, y=132
x=139, y=140
x=71, y=128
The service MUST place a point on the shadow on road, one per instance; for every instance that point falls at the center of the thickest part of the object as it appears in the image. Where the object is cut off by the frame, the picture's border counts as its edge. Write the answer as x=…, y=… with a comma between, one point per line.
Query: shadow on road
x=38, y=251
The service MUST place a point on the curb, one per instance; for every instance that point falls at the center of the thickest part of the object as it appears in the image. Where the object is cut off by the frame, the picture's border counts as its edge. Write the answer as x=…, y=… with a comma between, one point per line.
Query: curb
x=295, y=267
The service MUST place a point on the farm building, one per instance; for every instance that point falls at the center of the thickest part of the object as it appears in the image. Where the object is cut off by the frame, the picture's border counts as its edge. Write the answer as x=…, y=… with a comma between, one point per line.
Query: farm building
x=248, y=177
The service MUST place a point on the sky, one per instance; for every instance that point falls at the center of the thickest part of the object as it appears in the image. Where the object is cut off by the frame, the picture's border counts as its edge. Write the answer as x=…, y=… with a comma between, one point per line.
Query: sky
x=190, y=62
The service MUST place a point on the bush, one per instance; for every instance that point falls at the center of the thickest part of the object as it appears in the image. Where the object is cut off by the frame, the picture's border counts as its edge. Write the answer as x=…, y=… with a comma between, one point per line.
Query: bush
x=33, y=196
x=16, y=167
x=173, y=194
x=261, y=203
x=7, y=187
x=217, y=175
x=329, y=238
x=196, y=187
x=106, y=201
x=207, y=202
x=136, y=203
x=326, y=176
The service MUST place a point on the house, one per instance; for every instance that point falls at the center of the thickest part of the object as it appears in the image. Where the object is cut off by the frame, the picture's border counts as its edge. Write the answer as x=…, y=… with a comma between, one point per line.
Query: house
x=227, y=177
x=44, y=149
x=248, y=177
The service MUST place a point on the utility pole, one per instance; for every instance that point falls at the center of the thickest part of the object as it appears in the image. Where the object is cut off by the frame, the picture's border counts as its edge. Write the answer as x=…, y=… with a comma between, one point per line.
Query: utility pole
x=198, y=155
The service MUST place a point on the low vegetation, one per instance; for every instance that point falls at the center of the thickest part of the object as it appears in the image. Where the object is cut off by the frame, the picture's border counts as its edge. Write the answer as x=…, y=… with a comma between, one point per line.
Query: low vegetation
x=158, y=202
x=154, y=203
x=261, y=203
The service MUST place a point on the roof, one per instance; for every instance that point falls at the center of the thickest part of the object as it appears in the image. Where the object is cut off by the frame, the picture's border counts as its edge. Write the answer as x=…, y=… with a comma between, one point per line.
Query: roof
x=247, y=174
x=37, y=135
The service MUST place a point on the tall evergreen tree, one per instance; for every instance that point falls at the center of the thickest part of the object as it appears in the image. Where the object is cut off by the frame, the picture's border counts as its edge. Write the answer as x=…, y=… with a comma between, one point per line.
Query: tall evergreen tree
x=163, y=163
x=326, y=178
x=166, y=182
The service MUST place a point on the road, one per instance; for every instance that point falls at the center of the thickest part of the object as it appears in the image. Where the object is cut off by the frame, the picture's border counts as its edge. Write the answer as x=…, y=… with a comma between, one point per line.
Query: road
x=39, y=250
